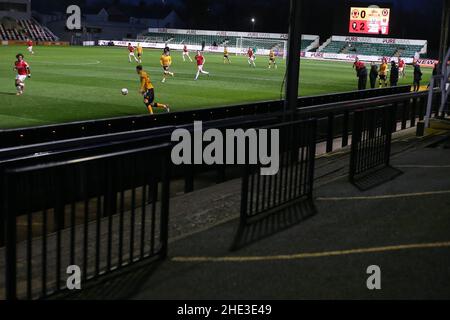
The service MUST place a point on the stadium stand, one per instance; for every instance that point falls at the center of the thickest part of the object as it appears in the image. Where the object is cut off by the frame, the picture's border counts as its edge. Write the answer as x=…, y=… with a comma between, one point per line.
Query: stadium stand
x=374, y=47
x=306, y=44
x=371, y=49
x=22, y=29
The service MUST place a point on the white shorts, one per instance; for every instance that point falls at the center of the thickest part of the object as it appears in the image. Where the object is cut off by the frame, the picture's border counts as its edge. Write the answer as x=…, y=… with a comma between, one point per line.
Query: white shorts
x=200, y=68
x=251, y=58
x=21, y=78
x=185, y=53
x=30, y=49
x=132, y=54
x=401, y=69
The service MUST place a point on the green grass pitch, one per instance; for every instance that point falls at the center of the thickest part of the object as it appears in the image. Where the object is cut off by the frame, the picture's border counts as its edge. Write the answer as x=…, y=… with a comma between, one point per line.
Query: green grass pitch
x=76, y=83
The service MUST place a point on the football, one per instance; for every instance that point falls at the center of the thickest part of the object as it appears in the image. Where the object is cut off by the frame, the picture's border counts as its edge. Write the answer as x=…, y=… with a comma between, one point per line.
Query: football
x=124, y=91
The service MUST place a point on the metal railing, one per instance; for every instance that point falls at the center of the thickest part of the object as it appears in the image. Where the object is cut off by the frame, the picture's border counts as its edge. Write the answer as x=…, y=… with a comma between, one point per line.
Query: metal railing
x=294, y=181
x=119, y=142
x=33, y=188
x=335, y=120
x=28, y=136
x=99, y=213
x=371, y=146
x=334, y=130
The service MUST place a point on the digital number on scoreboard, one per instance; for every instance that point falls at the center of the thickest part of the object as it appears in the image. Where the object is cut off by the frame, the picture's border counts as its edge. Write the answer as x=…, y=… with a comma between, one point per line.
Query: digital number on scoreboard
x=369, y=20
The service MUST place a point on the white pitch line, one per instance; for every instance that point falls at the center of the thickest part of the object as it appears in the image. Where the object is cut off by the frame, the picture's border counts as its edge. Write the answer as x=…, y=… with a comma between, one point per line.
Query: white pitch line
x=95, y=62
x=22, y=118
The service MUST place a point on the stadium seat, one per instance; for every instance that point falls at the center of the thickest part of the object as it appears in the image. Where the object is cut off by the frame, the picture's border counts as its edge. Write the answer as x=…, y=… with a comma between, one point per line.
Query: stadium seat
x=20, y=30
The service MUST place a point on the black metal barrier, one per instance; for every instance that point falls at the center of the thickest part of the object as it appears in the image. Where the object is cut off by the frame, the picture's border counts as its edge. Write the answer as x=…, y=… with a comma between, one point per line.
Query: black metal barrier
x=371, y=147
x=123, y=200
x=334, y=127
x=335, y=120
x=264, y=194
x=119, y=142
x=40, y=200
x=36, y=135
x=272, y=203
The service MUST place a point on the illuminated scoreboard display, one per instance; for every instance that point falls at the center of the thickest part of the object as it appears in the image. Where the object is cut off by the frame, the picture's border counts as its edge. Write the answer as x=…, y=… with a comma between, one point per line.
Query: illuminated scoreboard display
x=370, y=20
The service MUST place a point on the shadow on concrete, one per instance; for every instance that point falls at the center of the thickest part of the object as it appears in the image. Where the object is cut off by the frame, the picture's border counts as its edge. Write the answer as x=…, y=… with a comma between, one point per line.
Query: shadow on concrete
x=119, y=286
x=272, y=224
x=376, y=178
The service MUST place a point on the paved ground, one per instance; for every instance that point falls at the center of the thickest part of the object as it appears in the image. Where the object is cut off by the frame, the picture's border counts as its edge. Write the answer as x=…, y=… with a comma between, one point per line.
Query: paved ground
x=402, y=226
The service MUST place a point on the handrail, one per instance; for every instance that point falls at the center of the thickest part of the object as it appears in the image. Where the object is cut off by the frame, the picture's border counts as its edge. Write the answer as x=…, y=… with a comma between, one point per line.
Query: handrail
x=112, y=139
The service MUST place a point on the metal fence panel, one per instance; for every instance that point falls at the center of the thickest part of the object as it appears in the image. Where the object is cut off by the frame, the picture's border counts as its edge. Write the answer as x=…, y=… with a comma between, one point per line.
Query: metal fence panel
x=101, y=214
x=262, y=195
x=371, y=146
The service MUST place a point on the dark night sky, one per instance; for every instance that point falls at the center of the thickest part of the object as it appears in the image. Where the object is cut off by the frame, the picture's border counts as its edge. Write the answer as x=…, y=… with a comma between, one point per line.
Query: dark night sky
x=415, y=19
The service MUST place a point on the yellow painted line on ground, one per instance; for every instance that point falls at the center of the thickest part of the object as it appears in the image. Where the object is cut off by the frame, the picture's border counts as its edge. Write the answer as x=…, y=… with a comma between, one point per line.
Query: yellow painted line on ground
x=389, y=196
x=423, y=166
x=314, y=255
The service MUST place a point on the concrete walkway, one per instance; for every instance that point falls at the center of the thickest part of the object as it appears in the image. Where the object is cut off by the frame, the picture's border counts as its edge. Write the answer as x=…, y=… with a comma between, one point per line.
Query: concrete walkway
x=402, y=226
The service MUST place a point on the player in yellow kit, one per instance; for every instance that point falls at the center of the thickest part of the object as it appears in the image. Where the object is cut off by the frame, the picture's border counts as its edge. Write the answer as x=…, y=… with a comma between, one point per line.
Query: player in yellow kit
x=272, y=60
x=166, y=62
x=226, y=56
x=383, y=73
x=140, y=52
x=148, y=91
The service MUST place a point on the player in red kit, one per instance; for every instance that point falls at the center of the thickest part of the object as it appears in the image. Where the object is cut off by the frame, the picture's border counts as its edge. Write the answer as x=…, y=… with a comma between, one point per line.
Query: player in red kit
x=200, y=63
x=30, y=46
x=131, y=50
x=401, y=67
x=251, y=58
x=23, y=71
x=186, y=54
x=357, y=64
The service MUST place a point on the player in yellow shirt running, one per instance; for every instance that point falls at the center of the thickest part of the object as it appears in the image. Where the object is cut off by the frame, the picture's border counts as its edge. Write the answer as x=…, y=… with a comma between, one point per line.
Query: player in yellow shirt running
x=140, y=52
x=148, y=91
x=166, y=62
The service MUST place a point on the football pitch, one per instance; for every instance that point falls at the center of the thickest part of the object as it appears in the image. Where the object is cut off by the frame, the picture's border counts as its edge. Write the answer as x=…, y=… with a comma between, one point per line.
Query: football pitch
x=80, y=83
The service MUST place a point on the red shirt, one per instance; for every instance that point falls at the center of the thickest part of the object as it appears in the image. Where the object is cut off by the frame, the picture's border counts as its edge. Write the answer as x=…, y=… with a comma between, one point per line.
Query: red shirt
x=401, y=63
x=200, y=60
x=185, y=49
x=21, y=67
x=30, y=43
x=250, y=53
x=131, y=48
x=359, y=65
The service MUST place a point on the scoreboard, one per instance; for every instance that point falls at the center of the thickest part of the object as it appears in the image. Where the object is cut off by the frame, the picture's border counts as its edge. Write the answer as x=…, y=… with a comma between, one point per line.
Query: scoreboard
x=369, y=21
